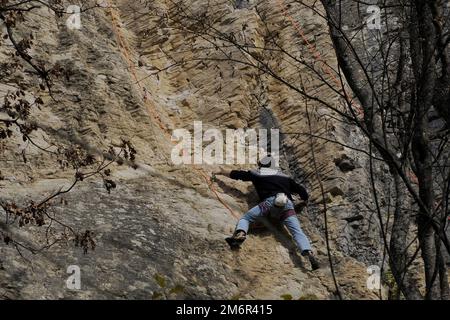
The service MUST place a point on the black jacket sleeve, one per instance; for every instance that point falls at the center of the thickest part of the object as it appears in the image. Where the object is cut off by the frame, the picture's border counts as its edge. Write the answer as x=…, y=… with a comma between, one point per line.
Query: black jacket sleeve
x=241, y=175
x=298, y=189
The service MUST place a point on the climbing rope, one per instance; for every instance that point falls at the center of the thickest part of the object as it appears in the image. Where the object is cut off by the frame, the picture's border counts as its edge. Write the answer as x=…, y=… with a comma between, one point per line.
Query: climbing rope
x=210, y=184
x=317, y=55
x=125, y=50
x=126, y=53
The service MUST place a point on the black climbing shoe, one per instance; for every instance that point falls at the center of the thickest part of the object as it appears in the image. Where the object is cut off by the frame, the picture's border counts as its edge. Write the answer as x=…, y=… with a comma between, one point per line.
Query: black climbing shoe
x=236, y=240
x=312, y=260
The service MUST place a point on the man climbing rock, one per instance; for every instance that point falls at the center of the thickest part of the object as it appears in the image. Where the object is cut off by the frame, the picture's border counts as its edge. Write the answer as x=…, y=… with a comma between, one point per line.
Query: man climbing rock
x=275, y=191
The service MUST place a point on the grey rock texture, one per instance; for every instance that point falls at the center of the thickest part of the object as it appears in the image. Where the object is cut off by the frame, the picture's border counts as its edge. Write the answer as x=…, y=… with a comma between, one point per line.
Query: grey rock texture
x=160, y=233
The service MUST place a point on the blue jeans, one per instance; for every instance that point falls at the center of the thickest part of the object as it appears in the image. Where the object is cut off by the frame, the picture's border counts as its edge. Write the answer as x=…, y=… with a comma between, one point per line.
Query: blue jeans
x=286, y=215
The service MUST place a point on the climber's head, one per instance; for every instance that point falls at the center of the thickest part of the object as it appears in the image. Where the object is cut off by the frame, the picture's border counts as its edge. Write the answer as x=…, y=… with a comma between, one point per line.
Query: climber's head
x=266, y=162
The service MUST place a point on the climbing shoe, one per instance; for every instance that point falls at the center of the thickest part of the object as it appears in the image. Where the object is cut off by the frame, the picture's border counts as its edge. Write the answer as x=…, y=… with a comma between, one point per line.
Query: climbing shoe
x=312, y=260
x=236, y=240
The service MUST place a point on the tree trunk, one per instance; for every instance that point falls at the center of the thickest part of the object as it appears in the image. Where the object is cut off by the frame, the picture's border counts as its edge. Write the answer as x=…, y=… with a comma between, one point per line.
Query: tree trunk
x=398, y=245
x=423, y=46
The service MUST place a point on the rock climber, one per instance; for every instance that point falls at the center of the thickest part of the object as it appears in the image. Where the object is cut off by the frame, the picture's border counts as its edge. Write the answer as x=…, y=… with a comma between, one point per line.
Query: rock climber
x=275, y=191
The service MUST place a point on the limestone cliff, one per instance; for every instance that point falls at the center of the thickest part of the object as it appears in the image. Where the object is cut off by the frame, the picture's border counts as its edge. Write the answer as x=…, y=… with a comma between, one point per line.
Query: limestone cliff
x=160, y=232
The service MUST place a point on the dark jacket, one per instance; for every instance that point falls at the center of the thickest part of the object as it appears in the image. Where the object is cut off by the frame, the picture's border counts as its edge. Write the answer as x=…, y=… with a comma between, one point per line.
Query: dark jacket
x=269, y=185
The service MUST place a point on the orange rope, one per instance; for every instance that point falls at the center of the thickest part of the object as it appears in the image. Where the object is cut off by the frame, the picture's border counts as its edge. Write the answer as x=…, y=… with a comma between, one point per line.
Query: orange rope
x=125, y=50
x=318, y=57
x=315, y=53
x=211, y=187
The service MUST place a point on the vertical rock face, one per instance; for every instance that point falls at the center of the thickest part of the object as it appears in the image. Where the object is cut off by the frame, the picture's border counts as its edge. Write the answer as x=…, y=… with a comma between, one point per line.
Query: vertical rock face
x=160, y=233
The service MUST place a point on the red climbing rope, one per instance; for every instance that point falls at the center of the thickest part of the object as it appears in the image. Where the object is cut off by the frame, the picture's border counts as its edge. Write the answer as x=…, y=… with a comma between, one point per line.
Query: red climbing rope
x=316, y=54
x=125, y=50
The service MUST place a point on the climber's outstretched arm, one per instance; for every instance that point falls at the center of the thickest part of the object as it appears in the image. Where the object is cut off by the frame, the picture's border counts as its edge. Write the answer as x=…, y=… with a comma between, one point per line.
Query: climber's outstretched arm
x=241, y=175
x=223, y=172
x=236, y=174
